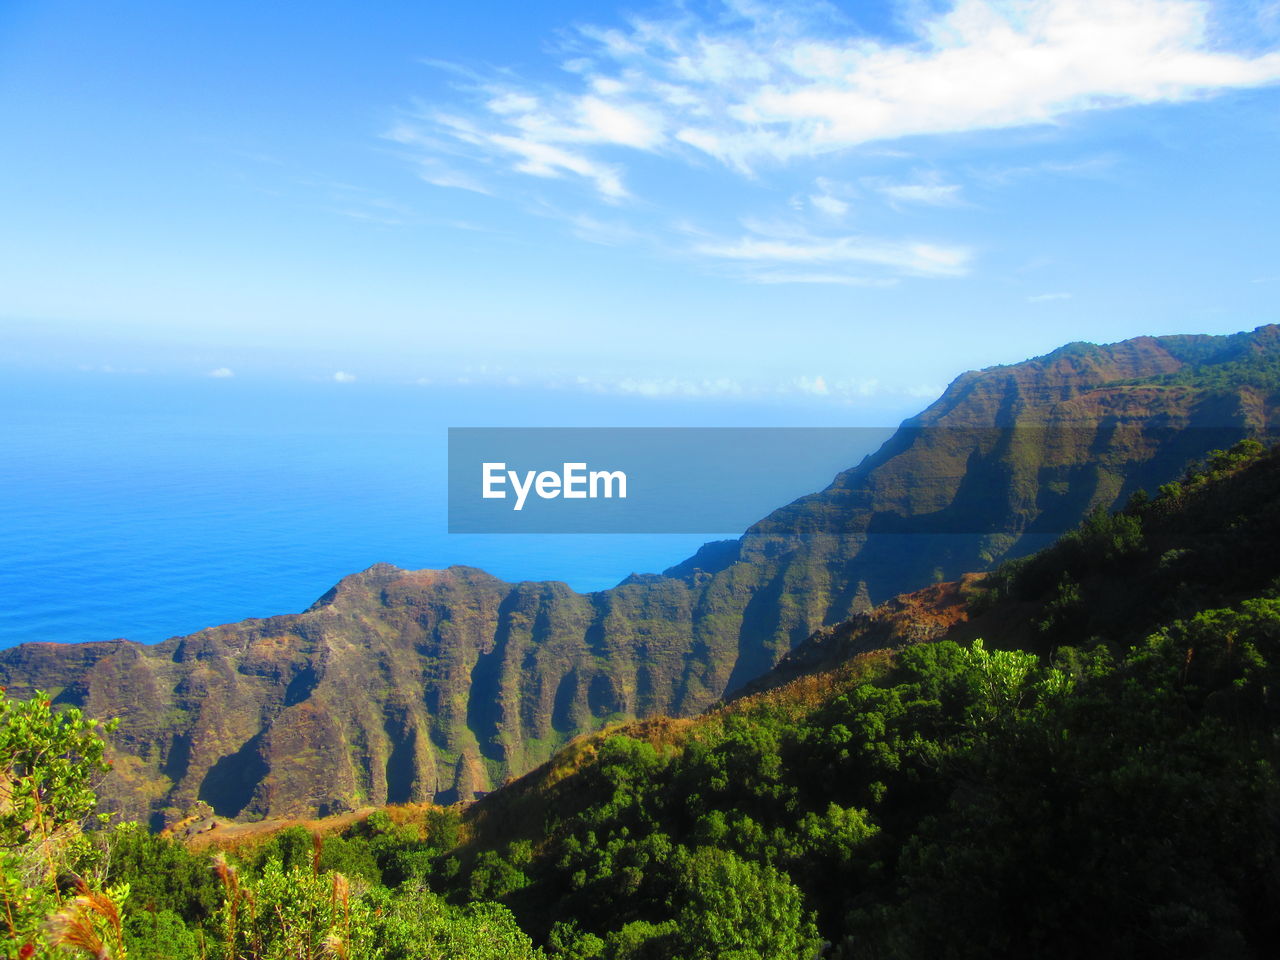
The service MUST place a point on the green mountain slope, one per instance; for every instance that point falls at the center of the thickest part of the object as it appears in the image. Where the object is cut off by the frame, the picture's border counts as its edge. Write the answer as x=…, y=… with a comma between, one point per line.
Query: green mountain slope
x=413, y=685
x=1113, y=796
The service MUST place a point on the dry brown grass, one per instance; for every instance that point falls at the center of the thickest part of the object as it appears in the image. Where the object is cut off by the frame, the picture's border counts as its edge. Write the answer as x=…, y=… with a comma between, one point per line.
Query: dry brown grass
x=244, y=838
x=806, y=693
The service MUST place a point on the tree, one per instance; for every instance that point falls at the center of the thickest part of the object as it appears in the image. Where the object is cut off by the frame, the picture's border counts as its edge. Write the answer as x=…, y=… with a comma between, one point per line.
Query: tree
x=49, y=761
x=296, y=914
x=734, y=909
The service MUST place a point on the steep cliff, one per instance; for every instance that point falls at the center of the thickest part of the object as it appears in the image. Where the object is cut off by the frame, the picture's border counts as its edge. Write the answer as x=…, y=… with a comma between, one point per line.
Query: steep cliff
x=408, y=685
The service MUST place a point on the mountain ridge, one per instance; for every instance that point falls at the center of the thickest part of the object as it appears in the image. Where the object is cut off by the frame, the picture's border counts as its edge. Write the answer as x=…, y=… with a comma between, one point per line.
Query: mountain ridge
x=437, y=685
x=1028, y=757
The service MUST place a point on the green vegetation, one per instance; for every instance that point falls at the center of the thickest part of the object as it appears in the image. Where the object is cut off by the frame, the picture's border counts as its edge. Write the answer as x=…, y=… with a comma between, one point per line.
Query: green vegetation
x=401, y=687
x=1098, y=776
x=48, y=763
x=65, y=890
x=1233, y=368
x=966, y=803
x=1113, y=796
x=1208, y=538
x=1110, y=790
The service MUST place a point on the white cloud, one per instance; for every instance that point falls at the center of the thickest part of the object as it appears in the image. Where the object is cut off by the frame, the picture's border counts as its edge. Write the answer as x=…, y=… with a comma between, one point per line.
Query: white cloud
x=925, y=390
x=342, y=377
x=604, y=122
x=592, y=230
x=812, y=386
x=439, y=175
x=988, y=65
x=1047, y=297
x=833, y=207
x=928, y=190
x=831, y=198
x=815, y=385
x=919, y=258
x=840, y=279
x=1084, y=167
x=547, y=160
x=512, y=103
x=756, y=88
x=756, y=84
x=222, y=373
x=662, y=386
x=844, y=390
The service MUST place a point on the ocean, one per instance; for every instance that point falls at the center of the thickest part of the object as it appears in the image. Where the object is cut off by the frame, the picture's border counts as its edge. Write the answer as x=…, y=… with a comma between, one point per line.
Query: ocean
x=145, y=507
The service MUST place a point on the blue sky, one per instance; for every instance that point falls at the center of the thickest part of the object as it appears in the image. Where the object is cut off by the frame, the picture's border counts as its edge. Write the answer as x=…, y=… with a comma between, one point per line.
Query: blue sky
x=843, y=202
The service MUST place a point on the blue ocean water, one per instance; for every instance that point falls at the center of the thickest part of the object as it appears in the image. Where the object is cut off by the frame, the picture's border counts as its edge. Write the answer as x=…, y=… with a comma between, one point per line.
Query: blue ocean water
x=140, y=507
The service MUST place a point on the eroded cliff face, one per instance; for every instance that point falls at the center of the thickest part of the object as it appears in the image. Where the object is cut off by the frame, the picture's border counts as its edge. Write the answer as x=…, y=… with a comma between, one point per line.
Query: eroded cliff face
x=439, y=684
x=1005, y=461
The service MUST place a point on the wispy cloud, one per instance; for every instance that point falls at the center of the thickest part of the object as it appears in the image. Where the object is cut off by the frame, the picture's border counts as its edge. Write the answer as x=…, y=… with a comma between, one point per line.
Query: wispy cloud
x=783, y=245
x=757, y=90
x=1089, y=167
x=1048, y=297
x=608, y=233
x=341, y=376
x=831, y=198
x=110, y=368
x=812, y=386
x=440, y=175
x=837, y=389
x=831, y=206
x=927, y=190
x=222, y=373
x=663, y=386
x=749, y=84
x=839, y=279
x=532, y=143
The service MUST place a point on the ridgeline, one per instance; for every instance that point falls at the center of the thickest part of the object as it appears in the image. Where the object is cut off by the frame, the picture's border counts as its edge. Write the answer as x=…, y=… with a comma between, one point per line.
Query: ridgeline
x=439, y=685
